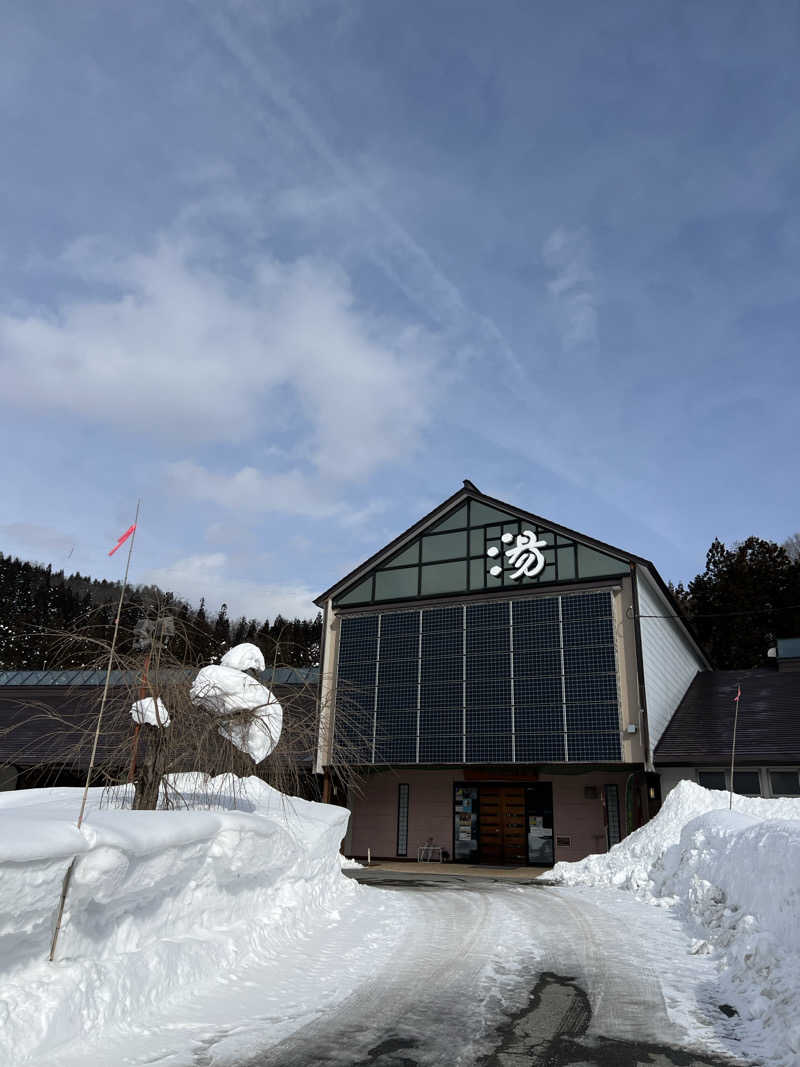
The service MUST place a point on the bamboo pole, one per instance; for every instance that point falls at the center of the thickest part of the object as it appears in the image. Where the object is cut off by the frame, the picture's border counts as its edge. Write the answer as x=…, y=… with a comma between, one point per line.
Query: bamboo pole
x=733, y=744
x=68, y=875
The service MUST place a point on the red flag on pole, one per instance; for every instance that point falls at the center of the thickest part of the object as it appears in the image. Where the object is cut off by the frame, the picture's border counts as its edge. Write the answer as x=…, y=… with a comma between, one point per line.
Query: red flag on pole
x=738, y=694
x=123, y=539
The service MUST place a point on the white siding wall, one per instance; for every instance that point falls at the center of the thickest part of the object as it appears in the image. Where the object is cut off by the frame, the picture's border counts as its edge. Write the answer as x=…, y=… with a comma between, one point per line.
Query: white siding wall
x=669, y=658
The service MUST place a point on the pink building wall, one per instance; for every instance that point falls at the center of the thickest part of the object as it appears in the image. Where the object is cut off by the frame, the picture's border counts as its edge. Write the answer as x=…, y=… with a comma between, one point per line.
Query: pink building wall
x=373, y=823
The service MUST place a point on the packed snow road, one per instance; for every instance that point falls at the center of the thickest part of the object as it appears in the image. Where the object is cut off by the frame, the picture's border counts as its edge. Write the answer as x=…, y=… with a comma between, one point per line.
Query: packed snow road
x=505, y=975
x=491, y=974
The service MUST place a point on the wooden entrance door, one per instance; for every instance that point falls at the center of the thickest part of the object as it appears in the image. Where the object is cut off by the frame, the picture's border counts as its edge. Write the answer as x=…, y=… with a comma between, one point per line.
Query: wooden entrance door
x=502, y=824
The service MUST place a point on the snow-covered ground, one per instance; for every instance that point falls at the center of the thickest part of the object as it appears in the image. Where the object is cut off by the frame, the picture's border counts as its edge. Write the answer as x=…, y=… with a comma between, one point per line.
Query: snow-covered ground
x=733, y=878
x=209, y=936
x=161, y=905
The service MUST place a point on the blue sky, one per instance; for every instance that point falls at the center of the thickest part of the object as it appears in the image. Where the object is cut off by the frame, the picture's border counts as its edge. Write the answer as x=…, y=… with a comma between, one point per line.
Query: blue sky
x=291, y=270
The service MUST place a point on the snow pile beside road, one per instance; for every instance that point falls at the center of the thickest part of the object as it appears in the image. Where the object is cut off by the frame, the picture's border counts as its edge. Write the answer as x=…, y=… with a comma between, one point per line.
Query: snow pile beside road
x=734, y=877
x=160, y=903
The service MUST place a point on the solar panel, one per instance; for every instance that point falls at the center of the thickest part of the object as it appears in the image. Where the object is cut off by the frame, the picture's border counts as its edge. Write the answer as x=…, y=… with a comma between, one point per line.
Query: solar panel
x=528, y=680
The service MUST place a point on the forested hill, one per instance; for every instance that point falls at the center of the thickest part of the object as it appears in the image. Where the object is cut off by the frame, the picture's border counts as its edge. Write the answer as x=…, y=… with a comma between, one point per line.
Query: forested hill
x=37, y=604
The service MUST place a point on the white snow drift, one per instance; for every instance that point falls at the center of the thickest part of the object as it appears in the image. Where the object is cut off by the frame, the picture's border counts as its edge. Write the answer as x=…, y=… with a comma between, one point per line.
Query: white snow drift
x=160, y=902
x=733, y=876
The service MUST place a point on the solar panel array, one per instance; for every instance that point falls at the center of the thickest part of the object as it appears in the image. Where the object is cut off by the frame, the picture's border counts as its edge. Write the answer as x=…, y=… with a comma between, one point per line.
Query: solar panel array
x=507, y=681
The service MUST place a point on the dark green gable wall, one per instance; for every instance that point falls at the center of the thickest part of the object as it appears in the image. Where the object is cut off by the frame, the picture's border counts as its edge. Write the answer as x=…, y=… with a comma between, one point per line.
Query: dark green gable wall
x=450, y=558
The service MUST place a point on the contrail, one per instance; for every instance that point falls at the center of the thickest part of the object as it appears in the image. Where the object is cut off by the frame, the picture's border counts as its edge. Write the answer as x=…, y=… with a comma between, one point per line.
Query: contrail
x=450, y=309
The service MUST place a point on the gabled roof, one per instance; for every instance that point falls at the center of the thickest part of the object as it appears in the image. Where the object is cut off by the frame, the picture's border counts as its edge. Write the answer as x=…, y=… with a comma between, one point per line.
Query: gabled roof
x=470, y=492
x=768, y=727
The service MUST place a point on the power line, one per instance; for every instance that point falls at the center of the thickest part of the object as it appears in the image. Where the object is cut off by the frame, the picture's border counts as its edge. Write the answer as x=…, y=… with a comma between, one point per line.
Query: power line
x=716, y=614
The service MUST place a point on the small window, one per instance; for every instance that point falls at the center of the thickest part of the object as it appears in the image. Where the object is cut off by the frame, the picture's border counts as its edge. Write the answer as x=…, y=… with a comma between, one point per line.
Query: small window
x=476, y=545
x=566, y=563
x=477, y=572
x=785, y=783
x=360, y=595
x=444, y=578
x=390, y=585
x=747, y=783
x=402, y=819
x=612, y=814
x=444, y=546
x=712, y=779
x=456, y=521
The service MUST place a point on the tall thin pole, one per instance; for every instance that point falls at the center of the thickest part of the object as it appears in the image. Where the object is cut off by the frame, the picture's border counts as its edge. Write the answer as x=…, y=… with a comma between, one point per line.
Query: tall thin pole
x=68, y=875
x=733, y=744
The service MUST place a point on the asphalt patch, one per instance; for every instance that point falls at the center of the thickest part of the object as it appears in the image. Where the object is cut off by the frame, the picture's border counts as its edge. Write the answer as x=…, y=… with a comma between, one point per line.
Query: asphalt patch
x=551, y=1031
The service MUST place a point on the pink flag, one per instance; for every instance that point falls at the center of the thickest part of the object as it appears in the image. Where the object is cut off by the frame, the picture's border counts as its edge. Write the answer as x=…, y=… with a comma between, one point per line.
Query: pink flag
x=738, y=694
x=122, y=539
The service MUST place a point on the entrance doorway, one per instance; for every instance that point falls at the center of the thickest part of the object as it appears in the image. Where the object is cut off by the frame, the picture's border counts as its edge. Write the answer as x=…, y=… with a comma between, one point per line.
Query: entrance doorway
x=502, y=824
x=539, y=804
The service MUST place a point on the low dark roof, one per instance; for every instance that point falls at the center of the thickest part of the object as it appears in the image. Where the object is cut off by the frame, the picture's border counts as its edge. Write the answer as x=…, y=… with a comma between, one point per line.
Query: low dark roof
x=49, y=724
x=54, y=724
x=768, y=727
x=88, y=677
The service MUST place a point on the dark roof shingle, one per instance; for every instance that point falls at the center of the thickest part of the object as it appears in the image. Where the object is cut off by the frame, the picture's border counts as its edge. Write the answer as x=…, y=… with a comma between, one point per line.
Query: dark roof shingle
x=768, y=728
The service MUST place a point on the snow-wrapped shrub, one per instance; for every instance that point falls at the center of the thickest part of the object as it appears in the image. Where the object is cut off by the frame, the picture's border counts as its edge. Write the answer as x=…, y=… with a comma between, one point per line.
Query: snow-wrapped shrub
x=150, y=712
x=244, y=657
x=255, y=716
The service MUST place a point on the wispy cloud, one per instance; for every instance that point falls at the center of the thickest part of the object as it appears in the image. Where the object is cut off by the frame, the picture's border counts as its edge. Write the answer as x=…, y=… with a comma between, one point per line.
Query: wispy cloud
x=249, y=490
x=31, y=537
x=182, y=349
x=567, y=255
x=211, y=576
x=398, y=253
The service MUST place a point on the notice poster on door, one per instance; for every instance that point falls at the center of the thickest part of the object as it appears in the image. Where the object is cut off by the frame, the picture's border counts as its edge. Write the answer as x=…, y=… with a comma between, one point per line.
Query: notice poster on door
x=540, y=841
x=466, y=822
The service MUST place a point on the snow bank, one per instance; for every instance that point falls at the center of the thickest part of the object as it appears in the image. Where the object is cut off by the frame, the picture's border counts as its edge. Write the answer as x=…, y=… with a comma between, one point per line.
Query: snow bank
x=160, y=902
x=734, y=877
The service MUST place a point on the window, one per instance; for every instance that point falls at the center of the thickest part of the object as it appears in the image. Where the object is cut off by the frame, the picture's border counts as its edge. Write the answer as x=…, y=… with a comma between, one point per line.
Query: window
x=399, y=584
x=712, y=779
x=747, y=783
x=785, y=783
x=611, y=795
x=402, y=819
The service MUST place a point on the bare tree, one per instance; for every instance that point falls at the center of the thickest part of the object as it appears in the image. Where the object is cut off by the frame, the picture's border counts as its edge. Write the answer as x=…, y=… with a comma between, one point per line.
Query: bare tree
x=164, y=764
x=792, y=547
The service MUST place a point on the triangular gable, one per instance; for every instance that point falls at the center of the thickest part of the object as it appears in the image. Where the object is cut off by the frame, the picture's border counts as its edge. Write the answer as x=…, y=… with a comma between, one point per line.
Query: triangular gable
x=471, y=545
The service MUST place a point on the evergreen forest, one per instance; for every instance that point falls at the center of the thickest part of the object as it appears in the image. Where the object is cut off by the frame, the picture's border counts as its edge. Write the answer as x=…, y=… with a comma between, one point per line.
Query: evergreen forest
x=39, y=606
x=747, y=596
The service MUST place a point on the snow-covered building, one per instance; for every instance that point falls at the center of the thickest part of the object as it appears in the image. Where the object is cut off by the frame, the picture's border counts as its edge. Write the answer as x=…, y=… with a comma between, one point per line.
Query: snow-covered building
x=501, y=681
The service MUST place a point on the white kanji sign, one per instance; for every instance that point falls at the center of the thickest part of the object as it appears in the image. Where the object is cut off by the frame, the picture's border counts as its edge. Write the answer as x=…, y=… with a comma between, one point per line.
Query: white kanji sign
x=525, y=556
